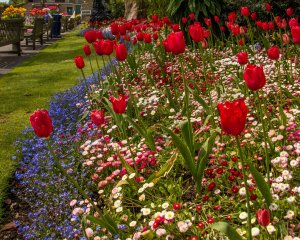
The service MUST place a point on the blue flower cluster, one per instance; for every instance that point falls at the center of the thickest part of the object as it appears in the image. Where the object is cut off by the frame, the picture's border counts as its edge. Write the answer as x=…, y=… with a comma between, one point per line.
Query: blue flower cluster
x=40, y=184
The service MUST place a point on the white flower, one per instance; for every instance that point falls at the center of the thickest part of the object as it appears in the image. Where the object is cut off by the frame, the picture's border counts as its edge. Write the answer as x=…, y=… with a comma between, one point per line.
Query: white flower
x=270, y=228
x=132, y=175
x=288, y=238
x=124, y=177
x=169, y=215
x=142, y=197
x=243, y=215
x=117, y=203
x=291, y=199
x=146, y=211
x=273, y=207
x=240, y=231
x=160, y=232
x=89, y=232
x=141, y=190
x=151, y=185
x=119, y=209
x=294, y=163
x=165, y=205
x=132, y=224
x=73, y=202
x=242, y=191
x=255, y=231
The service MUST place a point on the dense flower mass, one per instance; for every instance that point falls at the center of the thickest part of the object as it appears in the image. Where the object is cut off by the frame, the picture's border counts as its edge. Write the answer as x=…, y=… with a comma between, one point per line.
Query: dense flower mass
x=167, y=141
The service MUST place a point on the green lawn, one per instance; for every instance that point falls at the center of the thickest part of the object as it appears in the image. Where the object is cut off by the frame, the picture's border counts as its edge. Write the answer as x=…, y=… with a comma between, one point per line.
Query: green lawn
x=28, y=87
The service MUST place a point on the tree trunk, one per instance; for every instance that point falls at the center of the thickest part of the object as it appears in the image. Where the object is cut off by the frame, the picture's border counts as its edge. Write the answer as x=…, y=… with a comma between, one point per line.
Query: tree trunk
x=131, y=9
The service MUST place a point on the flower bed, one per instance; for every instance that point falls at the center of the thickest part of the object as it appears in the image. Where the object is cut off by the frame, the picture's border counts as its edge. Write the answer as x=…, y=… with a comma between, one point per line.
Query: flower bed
x=177, y=143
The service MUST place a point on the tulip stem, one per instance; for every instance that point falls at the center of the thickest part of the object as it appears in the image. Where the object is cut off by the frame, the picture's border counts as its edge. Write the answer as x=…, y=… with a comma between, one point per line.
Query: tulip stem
x=246, y=187
x=71, y=180
x=87, y=87
x=92, y=68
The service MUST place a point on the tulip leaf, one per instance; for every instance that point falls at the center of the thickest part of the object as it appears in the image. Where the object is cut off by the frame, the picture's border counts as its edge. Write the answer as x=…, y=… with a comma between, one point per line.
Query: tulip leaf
x=186, y=131
x=184, y=150
x=260, y=183
x=105, y=221
x=202, y=159
x=200, y=101
x=225, y=228
x=85, y=114
x=165, y=169
x=128, y=168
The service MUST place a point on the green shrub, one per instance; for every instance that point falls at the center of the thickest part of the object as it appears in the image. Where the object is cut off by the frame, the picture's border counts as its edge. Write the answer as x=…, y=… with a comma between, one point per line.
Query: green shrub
x=117, y=8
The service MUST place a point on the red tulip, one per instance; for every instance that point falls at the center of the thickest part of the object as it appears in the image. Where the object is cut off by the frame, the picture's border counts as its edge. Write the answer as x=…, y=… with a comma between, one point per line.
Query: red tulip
x=184, y=20
x=87, y=50
x=119, y=104
x=41, y=123
x=274, y=53
x=176, y=42
x=233, y=116
x=121, y=52
x=97, y=117
x=253, y=16
x=296, y=34
x=293, y=22
x=268, y=7
x=207, y=22
x=289, y=11
x=217, y=19
x=196, y=33
x=154, y=18
x=175, y=27
x=265, y=26
x=114, y=27
x=245, y=11
x=271, y=25
x=98, y=47
x=90, y=36
x=192, y=16
x=263, y=217
x=79, y=62
x=254, y=77
x=99, y=35
x=241, y=42
x=242, y=58
x=107, y=47
x=140, y=36
x=232, y=17
x=166, y=20
x=155, y=36
x=122, y=29
x=147, y=38
x=166, y=45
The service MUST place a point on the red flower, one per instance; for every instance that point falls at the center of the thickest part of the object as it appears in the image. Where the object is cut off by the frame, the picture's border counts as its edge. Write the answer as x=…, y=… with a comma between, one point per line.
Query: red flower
x=176, y=206
x=207, y=22
x=192, y=16
x=155, y=36
x=41, y=123
x=193, y=238
x=271, y=25
x=293, y=22
x=265, y=26
x=268, y=7
x=254, y=77
x=217, y=19
x=122, y=29
x=147, y=38
x=121, y=52
x=107, y=47
x=140, y=36
x=175, y=27
x=253, y=16
x=184, y=20
x=201, y=225
x=154, y=18
x=274, y=53
x=176, y=42
x=233, y=116
x=98, y=47
x=296, y=34
x=166, y=20
x=90, y=36
x=119, y=104
x=241, y=42
x=114, y=28
x=79, y=62
x=263, y=217
x=211, y=186
x=289, y=11
x=87, y=50
x=99, y=35
x=166, y=46
x=97, y=117
x=196, y=32
x=242, y=58
x=245, y=11
x=232, y=17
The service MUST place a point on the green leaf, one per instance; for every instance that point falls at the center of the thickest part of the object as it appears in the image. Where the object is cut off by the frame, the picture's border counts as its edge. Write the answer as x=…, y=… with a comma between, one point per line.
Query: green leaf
x=186, y=130
x=184, y=150
x=200, y=101
x=105, y=221
x=202, y=160
x=192, y=5
x=84, y=116
x=225, y=228
x=165, y=169
x=173, y=7
x=260, y=183
x=125, y=164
